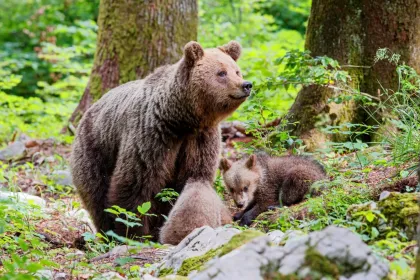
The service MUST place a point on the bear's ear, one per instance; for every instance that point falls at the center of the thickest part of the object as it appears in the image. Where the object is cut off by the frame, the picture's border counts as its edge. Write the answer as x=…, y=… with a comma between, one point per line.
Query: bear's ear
x=233, y=49
x=225, y=164
x=251, y=162
x=193, y=52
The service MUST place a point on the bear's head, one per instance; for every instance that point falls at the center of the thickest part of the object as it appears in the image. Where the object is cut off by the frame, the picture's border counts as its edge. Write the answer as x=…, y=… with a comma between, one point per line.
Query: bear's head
x=241, y=179
x=215, y=82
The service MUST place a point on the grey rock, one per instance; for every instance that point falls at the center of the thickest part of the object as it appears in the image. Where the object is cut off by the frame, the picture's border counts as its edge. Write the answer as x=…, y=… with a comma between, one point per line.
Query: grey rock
x=82, y=216
x=44, y=274
x=338, y=245
x=14, y=151
x=60, y=276
x=76, y=255
x=276, y=236
x=197, y=243
x=23, y=198
x=62, y=177
x=244, y=263
x=384, y=195
x=293, y=234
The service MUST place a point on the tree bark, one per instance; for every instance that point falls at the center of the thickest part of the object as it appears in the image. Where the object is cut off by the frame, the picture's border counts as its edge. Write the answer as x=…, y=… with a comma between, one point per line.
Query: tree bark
x=135, y=37
x=351, y=32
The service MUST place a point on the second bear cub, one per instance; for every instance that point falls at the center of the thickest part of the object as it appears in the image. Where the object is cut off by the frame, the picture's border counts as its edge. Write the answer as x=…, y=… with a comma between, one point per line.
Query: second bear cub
x=259, y=182
x=197, y=206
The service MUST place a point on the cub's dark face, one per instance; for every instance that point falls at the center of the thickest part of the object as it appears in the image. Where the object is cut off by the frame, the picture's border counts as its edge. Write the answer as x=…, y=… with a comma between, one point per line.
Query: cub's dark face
x=241, y=179
x=217, y=81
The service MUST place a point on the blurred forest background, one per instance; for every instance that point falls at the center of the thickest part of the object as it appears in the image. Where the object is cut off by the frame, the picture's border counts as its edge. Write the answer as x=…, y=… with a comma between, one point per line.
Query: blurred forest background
x=48, y=46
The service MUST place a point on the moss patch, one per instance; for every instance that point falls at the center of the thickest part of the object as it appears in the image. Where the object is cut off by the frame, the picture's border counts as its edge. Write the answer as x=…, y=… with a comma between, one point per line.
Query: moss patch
x=401, y=211
x=196, y=263
x=166, y=271
x=321, y=264
x=278, y=276
x=239, y=240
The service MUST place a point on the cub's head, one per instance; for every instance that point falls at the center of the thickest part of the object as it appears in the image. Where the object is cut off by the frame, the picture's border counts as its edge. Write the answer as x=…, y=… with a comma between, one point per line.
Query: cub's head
x=241, y=179
x=215, y=80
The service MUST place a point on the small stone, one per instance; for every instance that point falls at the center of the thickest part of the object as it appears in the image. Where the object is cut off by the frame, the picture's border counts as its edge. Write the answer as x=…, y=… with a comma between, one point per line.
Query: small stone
x=62, y=177
x=384, y=195
x=14, y=151
x=82, y=216
x=24, y=198
x=50, y=159
x=75, y=255
x=44, y=274
x=60, y=276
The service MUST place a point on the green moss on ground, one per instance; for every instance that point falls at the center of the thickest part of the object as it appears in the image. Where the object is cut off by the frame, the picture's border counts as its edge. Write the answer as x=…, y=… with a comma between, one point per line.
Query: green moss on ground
x=402, y=211
x=321, y=264
x=399, y=211
x=196, y=263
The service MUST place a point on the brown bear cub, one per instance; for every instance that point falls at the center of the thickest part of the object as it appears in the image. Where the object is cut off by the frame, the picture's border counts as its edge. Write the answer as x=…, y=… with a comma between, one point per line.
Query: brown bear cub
x=261, y=181
x=197, y=206
x=156, y=133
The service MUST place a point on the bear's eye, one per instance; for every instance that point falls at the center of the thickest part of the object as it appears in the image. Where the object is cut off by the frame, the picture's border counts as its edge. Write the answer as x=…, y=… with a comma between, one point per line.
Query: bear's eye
x=238, y=73
x=246, y=189
x=231, y=190
x=222, y=74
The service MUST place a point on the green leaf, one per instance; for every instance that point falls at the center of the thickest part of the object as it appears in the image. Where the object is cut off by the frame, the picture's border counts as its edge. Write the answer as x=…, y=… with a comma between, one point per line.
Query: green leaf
x=144, y=208
x=374, y=233
x=369, y=216
x=404, y=174
x=124, y=260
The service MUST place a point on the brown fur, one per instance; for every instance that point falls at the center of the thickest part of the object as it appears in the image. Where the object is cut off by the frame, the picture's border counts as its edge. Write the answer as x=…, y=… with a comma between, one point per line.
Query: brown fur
x=198, y=205
x=258, y=182
x=155, y=133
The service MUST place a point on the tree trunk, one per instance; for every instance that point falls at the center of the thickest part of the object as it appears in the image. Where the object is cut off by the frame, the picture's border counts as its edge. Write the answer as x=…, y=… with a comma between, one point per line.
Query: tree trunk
x=135, y=37
x=351, y=32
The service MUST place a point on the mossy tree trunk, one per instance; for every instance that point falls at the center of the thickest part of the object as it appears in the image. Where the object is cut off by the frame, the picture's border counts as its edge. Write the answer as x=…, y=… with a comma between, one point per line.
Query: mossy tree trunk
x=135, y=37
x=351, y=32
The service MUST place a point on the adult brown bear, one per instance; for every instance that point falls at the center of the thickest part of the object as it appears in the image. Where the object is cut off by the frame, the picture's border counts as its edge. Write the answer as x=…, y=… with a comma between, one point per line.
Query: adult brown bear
x=156, y=133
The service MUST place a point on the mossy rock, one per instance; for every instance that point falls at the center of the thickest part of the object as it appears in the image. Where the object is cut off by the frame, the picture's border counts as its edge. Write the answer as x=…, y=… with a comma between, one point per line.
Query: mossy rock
x=399, y=211
x=197, y=263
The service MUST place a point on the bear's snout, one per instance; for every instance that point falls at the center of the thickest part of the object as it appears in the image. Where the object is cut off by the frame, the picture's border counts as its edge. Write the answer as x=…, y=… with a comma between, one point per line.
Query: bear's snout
x=246, y=87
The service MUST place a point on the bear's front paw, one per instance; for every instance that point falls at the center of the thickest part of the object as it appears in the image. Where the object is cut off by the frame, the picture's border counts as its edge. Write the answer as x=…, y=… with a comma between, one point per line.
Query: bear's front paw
x=246, y=220
x=237, y=216
x=273, y=207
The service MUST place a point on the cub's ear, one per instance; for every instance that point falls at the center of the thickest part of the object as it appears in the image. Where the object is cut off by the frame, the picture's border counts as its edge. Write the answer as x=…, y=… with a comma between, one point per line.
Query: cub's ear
x=233, y=49
x=225, y=164
x=193, y=52
x=251, y=162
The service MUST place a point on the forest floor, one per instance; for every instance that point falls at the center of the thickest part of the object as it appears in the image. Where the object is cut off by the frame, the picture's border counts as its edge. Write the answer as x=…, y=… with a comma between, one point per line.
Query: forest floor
x=59, y=223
